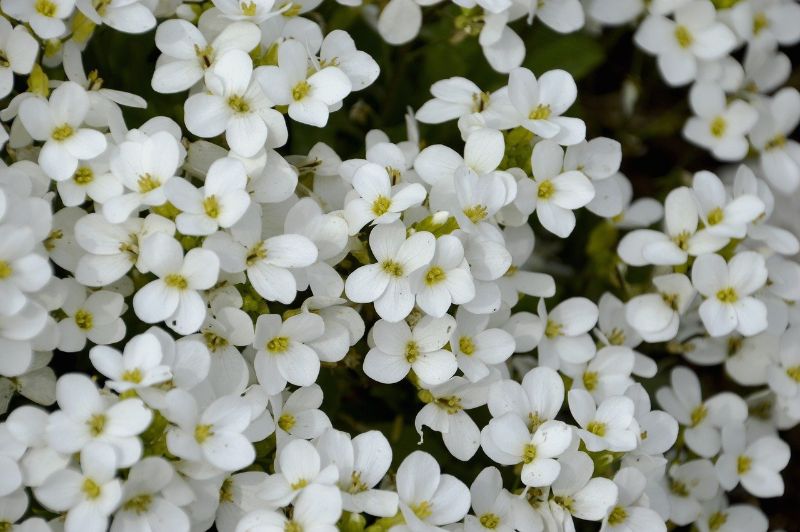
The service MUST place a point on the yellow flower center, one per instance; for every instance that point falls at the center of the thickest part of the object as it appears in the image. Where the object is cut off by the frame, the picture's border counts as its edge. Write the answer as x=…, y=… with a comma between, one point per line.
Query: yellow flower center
x=534, y=421
x=211, y=206
x=226, y=490
x=5, y=270
x=760, y=22
x=84, y=320
x=62, y=132
x=381, y=205
x=617, y=516
x=204, y=55
x=132, y=375
x=301, y=90
x=715, y=216
x=238, y=104
x=422, y=510
x=743, y=464
x=279, y=344
x=541, y=112
x=776, y=142
x=546, y=190
x=716, y=520
x=300, y=484
x=214, y=341
x=96, y=423
x=46, y=8
x=451, y=404
x=286, y=421
x=202, y=433
x=256, y=253
x=356, y=485
x=147, y=183
x=552, y=329
x=794, y=373
x=412, y=351
x=248, y=9
x=683, y=36
x=698, y=414
x=392, y=268
x=679, y=488
x=476, y=213
x=176, y=280
x=718, y=127
x=590, y=380
x=83, y=176
x=597, y=428
x=292, y=526
x=489, y=520
x=617, y=336
x=466, y=345
x=139, y=504
x=435, y=276
x=91, y=489
x=728, y=295
x=528, y=453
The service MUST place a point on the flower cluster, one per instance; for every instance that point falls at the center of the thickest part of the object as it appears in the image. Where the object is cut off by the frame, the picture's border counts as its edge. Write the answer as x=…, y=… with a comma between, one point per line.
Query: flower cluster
x=178, y=295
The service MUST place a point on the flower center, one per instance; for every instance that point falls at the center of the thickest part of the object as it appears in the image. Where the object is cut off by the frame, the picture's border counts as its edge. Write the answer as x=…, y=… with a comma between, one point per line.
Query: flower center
x=394, y=174
x=238, y=104
x=679, y=488
x=435, y=276
x=300, y=484
x=794, y=373
x=132, y=375
x=5, y=270
x=743, y=464
x=698, y=414
x=226, y=490
x=286, y=421
x=552, y=329
x=292, y=526
x=718, y=127
x=760, y=21
x=412, y=351
x=91, y=489
x=301, y=90
x=279, y=344
x=96, y=423
x=598, y=428
x=480, y=100
x=476, y=213
x=541, y=112
x=381, y=205
x=147, y=183
x=489, y=520
x=176, y=280
x=256, y=253
x=565, y=502
x=534, y=421
x=202, y=433
x=392, y=268
x=46, y=8
x=139, y=504
x=422, y=510
x=715, y=216
x=62, y=132
x=546, y=190
x=211, y=206
x=528, y=453
x=728, y=295
x=466, y=345
x=84, y=320
x=356, y=485
x=204, y=55
x=716, y=520
x=682, y=240
x=248, y=10
x=617, y=336
x=590, y=380
x=683, y=36
x=451, y=404
x=776, y=142
x=617, y=516
x=214, y=341
x=83, y=175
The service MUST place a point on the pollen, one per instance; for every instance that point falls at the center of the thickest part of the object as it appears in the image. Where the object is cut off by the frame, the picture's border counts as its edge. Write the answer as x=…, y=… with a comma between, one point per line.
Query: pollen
x=682, y=240
x=716, y=520
x=541, y=112
x=204, y=55
x=139, y=504
x=300, y=90
x=590, y=380
x=422, y=510
x=214, y=341
x=534, y=420
x=597, y=428
x=794, y=373
x=617, y=516
x=238, y=104
x=381, y=205
x=718, y=126
x=476, y=213
x=176, y=280
x=226, y=490
x=683, y=36
x=776, y=142
x=760, y=22
x=202, y=433
x=679, y=488
x=435, y=276
x=96, y=423
x=728, y=295
x=211, y=207
x=617, y=336
x=528, y=453
x=392, y=268
x=5, y=270
x=300, y=484
x=466, y=345
x=489, y=520
x=394, y=174
x=248, y=9
x=451, y=404
x=286, y=421
x=743, y=464
x=256, y=253
x=147, y=183
x=83, y=176
x=62, y=132
x=546, y=190
x=292, y=526
x=46, y=8
x=84, y=320
x=279, y=344
x=552, y=329
x=412, y=351
x=698, y=414
x=91, y=489
x=356, y=485
x=132, y=375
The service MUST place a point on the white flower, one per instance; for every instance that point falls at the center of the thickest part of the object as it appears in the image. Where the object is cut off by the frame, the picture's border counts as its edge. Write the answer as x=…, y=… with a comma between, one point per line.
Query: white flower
x=452, y=98
x=381, y=200
x=760, y=21
x=757, y=465
x=187, y=54
x=92, y=179
x=536, y=400
x=631, y=511
x=722, y=215
x=566, y=338
x=298, y=465
x=46, y=17
x=144, y=163
x=88, y=497
x=361, y=463
x=446, y=280
x=656, y=317
x=607, y=374
x=338, y=49
x=783, y=373
x=256, y=11
x=702, y=419
x=779, y=155
x=694, y=35
x=577, y=494
x=235, y=105
x=298, y=415
x=215, y=435
x=728, y=288
x=387, y=281
x=399, y=349
x=58, y=122
x=718, y=126
x=174, y=297
x=508, y=441
x=19, y=49
x=317, y=508
x=146, y=500
x=123, y=15
x=138, y=366
x=609, y=425
x=309, y=97
x=428, y=497
x=659, y=430
x=540, y=104
x=85, y=416
x=23, y=271
x=735, y=518
x=221, y=202
x=224, y=330
x=690, y=484
x=283, y=355
x=478, y=347
x=96, y=318
x=553, y=193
